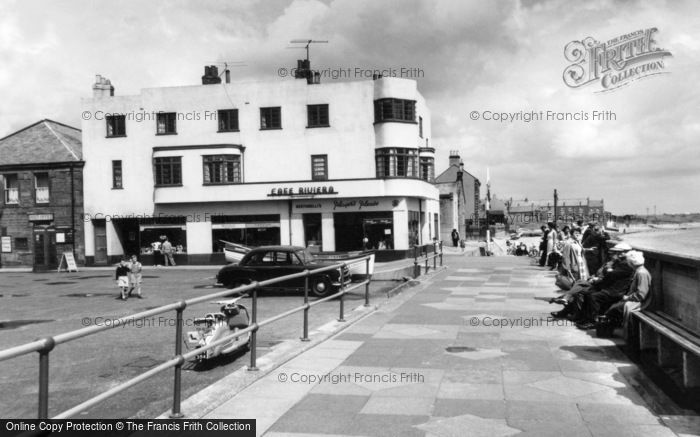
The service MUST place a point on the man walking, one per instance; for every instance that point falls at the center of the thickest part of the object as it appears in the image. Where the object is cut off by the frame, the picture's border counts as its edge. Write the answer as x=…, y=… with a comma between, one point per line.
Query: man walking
x=167, y=250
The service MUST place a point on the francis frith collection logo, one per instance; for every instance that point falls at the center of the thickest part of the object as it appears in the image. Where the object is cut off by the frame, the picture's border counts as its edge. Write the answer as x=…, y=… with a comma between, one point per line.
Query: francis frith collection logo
x=615, y=63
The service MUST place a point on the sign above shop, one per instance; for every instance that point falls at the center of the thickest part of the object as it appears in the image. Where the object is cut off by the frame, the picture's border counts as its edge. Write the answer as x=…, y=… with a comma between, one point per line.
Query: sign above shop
x=40, y=217
x=301, y=191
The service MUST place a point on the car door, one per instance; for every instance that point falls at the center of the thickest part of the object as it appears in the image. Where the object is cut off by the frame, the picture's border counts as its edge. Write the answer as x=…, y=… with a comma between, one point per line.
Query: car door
x=284, y=266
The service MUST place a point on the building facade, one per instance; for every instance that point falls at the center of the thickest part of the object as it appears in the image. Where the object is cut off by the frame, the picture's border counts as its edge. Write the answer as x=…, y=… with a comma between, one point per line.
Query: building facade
x=459, y=200
x=41, y=210
x=283, y=162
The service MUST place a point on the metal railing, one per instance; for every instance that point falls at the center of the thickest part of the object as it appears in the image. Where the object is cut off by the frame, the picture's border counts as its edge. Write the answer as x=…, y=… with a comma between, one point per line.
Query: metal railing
x=44, y=346
x=422, y=251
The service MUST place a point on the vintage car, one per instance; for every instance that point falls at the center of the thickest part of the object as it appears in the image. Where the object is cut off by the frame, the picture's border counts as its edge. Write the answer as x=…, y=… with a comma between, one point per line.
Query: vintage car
x=267, y=262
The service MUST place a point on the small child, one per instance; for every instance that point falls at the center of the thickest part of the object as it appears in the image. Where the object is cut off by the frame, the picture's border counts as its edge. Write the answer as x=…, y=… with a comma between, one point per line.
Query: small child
x=122, y=277
x=135, y=277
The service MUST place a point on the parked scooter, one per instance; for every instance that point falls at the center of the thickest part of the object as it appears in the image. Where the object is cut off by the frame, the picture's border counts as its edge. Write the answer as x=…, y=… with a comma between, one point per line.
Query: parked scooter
x=214, y=326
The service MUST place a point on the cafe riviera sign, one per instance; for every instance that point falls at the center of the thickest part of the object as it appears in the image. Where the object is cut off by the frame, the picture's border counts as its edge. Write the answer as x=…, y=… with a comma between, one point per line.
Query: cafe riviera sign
x=301, y=191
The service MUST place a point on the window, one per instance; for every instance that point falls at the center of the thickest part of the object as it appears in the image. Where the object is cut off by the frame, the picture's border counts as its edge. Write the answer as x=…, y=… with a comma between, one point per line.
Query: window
x=21, y=244
x=117, y=175
x=396, y=162
x=116, y=126
x=222, y=169
x=319, y=167
x=427, y=169
x=11, y=189
x=228, y=120
x=394, y=110
x=317, y=115
x=420, y=127
x=41, y=187
x=271, y=118
x=166, y=123
x=168, y=171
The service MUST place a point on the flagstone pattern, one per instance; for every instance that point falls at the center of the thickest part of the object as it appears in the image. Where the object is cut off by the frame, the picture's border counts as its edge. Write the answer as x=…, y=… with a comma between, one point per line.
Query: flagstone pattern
x=470, y=352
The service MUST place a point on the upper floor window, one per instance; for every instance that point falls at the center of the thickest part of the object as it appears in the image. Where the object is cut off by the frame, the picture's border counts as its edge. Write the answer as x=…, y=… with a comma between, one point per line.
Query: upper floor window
x=11, y=189
x=41, y=187
x=427, y=169
x=394, y=110
x=228, y=120
x=317, y=116
x=117, y=175
x=396, y=162
x=319, y=167
x=271, y=118
x=166, y=123
x=222, y=169
x=168, y=170
x=116, y=125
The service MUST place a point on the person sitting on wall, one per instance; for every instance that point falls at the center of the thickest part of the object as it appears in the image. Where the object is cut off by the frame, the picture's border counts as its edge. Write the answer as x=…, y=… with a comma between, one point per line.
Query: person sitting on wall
x=638, y=297
x=613, y=280
x=596, y=246
x=573, y=263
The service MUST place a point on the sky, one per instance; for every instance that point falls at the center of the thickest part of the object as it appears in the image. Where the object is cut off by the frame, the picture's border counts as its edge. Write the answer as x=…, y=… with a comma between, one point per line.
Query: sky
x=468, y=57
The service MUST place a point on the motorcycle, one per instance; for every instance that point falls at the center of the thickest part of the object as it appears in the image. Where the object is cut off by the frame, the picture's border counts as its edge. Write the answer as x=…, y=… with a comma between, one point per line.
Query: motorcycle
x=232, y=317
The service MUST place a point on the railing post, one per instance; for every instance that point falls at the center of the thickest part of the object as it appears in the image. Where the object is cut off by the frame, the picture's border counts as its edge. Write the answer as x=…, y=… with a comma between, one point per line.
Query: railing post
x=342, y=295
x=441, y=254
x=426, y=263
x=49, y=344
x=435, y=255
x=305, y=335
x=367, y=284
x=416, y=267
x=254, y=333
x=177, y=378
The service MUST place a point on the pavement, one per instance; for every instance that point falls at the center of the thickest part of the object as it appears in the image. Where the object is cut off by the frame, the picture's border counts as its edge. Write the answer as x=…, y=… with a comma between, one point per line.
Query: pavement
x=467, y=352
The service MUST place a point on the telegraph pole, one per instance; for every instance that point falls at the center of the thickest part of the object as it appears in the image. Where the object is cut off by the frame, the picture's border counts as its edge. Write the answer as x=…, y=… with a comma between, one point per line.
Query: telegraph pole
x=556, y=199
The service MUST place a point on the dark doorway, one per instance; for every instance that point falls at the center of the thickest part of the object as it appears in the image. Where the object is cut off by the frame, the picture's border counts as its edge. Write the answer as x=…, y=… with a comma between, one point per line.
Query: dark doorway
x=44, y=248
x=100, y=242
x=313, y=235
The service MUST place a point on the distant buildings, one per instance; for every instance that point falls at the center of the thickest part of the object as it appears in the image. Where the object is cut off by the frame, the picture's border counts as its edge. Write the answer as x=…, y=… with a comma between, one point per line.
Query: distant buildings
x=281, y=162
x=459, y=200
x=524, y=212
x=41, y=210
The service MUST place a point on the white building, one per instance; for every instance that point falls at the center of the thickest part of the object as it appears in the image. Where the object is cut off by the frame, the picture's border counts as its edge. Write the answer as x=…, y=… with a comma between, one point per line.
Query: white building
x=281, y=162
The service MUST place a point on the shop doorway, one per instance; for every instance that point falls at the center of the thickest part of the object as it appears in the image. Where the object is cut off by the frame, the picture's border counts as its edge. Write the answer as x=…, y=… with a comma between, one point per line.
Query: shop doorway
x=313, y=235
x=45, y=249
x=100, y=242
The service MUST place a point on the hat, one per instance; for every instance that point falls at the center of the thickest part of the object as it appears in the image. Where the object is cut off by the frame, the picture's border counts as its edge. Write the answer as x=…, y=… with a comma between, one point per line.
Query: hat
x=635, y=258
x=621, y=247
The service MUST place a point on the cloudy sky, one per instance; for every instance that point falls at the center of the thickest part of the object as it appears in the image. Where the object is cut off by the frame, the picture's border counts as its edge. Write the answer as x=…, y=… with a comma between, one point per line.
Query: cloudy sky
x=499, y=56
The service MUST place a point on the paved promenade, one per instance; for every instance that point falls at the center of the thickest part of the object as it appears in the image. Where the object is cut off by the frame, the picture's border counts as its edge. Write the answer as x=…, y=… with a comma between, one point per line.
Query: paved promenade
x=468, y=352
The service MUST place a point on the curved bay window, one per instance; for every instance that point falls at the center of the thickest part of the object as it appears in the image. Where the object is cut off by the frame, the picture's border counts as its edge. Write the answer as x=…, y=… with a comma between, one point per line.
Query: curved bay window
x=221, y=169
x=394, y=110
x=427, y=169
x=396, y=162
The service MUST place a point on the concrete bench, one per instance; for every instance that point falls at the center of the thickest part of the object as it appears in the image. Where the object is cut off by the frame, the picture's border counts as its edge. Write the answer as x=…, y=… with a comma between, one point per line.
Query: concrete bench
x=675, y=347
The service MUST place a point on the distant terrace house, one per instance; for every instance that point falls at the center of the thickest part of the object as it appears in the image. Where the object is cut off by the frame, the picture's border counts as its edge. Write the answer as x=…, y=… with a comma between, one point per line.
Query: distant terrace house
x=285, y=161
x=41, y=209
x=459, y=200
x=524, y=212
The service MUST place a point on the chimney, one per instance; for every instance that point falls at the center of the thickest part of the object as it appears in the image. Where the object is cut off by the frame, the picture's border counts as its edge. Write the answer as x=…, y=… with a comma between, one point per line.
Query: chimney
x=211, y=75
x=454, y=158
x=102, y=87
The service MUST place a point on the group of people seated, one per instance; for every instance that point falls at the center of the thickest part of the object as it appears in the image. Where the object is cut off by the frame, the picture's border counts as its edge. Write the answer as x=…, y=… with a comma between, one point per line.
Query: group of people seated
x=599, y=285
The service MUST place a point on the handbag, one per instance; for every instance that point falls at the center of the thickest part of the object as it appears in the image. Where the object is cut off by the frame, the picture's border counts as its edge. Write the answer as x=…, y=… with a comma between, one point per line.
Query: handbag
x=565, y=282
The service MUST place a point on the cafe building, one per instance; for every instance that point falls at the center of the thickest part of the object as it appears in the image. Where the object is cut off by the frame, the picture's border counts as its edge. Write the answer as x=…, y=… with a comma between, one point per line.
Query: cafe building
x=339, y=166
x=41, y=207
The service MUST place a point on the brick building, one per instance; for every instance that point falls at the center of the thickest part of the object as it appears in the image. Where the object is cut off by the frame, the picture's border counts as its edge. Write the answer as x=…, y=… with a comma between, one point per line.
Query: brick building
x=41, y=207
x=522, y=213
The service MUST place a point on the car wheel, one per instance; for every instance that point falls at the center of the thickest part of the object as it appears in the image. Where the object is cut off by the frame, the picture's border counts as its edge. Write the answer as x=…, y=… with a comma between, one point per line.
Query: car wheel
x=321, y=287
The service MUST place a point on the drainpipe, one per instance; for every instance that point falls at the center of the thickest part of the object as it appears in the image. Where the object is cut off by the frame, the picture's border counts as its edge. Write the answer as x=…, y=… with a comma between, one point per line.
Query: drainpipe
x=72, y=208
x=289, y=214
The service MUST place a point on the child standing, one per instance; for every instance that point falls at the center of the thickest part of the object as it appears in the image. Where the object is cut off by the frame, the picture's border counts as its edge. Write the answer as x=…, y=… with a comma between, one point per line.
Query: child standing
x=122, y=277
x=135, y=276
